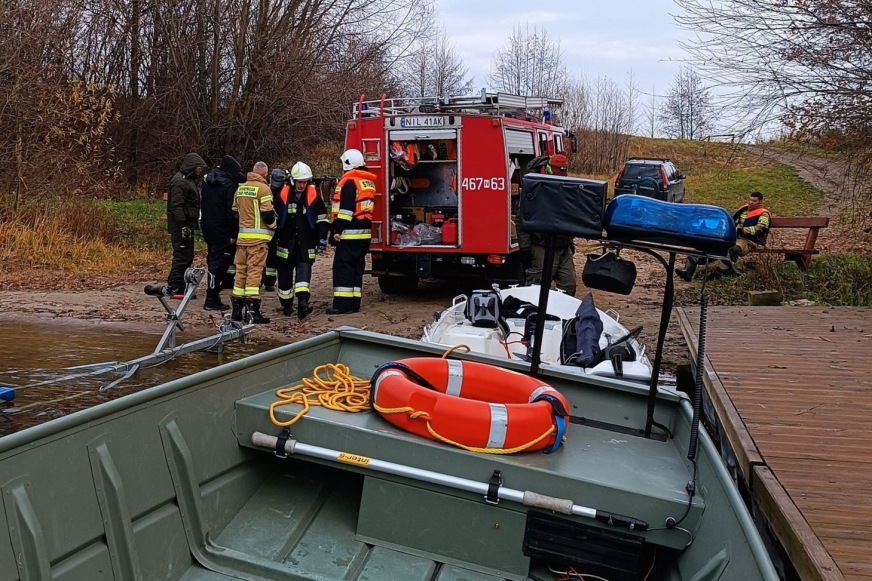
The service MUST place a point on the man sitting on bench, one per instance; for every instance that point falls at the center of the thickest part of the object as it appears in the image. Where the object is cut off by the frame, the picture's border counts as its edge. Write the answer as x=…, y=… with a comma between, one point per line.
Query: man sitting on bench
x=752, y=228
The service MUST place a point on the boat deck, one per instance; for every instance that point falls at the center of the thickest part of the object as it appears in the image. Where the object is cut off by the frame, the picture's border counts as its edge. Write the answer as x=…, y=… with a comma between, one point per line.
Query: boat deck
x=595, y=467
x=792, y=389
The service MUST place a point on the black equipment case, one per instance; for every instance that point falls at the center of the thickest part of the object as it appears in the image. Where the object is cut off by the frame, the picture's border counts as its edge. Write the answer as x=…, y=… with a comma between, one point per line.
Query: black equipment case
x=562, y=205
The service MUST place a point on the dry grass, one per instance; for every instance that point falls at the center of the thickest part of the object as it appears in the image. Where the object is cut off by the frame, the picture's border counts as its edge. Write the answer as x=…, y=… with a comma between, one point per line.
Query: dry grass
x=72, y=244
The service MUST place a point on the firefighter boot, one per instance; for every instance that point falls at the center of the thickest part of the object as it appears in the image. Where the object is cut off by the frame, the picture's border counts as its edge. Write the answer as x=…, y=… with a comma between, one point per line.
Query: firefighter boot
x=304, y=309
x=213, y=297
x=237, y=303
x=256, y=317
x=689, y=269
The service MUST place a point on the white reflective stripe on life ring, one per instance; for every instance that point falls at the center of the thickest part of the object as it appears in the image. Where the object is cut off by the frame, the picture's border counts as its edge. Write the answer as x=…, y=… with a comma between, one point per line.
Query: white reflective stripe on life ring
x=388, y=373
x=499, y=423
x=455, y=377
x=539, y=391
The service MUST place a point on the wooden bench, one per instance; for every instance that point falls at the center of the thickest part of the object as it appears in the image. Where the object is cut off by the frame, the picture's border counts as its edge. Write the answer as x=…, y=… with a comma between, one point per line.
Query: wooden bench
x=802, y=256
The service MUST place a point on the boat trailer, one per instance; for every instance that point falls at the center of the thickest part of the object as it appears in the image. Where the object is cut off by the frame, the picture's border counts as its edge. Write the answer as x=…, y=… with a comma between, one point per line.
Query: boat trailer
x=166, y=349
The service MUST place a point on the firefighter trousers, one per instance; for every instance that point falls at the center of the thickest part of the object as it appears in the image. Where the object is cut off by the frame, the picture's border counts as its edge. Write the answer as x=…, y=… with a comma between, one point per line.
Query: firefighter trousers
x=563, y=271
x=349, y=262
x=183, y=258
x=219, y=261
x=249, y=262
x=270, y=271
x=743, y=246
x=293, y=280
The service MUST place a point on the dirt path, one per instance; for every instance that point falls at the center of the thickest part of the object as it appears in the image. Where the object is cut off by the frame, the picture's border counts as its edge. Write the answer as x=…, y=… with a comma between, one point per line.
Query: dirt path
x=405, y=316
x=843, y=185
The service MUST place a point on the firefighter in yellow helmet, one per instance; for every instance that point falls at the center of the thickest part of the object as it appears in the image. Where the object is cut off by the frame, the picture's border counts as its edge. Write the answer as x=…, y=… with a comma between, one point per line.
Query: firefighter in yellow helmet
x=351, y=211
x=301, y=234
x=257, y=223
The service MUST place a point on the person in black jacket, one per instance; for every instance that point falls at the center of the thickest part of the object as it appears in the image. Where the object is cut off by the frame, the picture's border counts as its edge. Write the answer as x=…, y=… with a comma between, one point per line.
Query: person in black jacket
x=270, y=270
x=301, y=234
x=220, y=227
x=183, y=213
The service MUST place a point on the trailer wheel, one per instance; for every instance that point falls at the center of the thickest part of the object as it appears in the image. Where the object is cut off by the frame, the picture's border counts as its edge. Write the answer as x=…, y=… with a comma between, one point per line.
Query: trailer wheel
x=398, y=285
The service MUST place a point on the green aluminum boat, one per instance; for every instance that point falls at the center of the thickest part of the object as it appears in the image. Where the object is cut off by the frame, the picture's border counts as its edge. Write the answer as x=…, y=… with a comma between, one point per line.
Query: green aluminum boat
x=182, y=482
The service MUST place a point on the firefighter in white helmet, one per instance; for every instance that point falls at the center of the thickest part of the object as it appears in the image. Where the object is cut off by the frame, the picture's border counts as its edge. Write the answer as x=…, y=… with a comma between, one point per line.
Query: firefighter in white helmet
x=351, y=212
x=301, y=234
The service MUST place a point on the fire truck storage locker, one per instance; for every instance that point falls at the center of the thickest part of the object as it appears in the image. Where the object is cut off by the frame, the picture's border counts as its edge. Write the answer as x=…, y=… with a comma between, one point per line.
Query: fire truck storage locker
x=422, y=188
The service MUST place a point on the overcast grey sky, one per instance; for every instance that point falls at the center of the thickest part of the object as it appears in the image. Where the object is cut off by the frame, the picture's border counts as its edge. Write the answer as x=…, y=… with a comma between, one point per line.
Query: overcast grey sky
x=602, y=37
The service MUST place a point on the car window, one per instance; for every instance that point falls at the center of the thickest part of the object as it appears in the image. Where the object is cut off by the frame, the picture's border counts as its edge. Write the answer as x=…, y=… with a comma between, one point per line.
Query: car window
x=558, y=144
x=637, y=171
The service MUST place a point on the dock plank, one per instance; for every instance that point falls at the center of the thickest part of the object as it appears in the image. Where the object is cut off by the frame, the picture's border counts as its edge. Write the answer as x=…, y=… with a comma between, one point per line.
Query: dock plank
x=793, y=387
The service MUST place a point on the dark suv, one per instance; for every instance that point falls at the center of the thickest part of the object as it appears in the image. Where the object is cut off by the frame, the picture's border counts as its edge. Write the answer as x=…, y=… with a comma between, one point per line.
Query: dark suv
x=655, y=178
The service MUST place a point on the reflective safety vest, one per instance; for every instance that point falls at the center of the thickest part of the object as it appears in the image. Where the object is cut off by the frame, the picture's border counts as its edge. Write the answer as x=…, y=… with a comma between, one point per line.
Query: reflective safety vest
x=311, y=196
x=756, y=220
x=252, y=199
x=364, y=201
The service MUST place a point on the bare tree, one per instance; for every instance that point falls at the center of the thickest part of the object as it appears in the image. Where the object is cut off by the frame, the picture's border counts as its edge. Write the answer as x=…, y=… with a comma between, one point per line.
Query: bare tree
x=91, y=86
x=652, y=115
x=687, y=113
x=600, y=115
x=807, y=63
x=530, y=63
x=434, y=68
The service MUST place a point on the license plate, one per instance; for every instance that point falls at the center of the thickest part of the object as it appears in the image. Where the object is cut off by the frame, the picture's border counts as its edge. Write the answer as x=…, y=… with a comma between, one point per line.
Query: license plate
x=423, y=122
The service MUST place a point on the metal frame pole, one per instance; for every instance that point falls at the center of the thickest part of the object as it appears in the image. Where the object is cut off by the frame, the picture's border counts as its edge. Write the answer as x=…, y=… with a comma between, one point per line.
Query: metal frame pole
x=544, y=289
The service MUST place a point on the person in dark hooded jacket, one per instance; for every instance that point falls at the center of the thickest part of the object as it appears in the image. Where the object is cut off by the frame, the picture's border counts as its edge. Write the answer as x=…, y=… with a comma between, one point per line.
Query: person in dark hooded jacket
x=183, y=213
x=220, y=227
x=270, y=270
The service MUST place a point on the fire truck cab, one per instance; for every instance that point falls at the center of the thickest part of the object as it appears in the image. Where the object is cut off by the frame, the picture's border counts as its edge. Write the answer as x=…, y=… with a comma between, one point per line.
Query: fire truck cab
x=449, y=174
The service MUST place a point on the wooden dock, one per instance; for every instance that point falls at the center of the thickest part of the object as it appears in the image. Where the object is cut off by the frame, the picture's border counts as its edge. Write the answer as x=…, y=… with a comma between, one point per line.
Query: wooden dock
x=792, y=389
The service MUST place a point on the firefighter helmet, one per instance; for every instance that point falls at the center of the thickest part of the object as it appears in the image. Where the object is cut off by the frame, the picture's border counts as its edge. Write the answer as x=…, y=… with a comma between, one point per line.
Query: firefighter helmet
x=351, y=159
x=301, y=172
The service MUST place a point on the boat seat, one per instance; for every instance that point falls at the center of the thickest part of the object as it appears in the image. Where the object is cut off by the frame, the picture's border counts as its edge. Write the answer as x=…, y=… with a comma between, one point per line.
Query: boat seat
x=596, y=468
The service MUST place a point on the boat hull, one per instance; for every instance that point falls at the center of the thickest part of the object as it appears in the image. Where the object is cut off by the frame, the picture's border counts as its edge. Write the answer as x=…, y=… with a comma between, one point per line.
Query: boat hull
x=166, y=483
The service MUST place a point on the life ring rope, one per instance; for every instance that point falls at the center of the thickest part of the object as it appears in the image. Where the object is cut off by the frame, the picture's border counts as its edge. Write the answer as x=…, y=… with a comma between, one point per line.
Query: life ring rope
x=337, y=390
x=332, y=386
x=420, y=415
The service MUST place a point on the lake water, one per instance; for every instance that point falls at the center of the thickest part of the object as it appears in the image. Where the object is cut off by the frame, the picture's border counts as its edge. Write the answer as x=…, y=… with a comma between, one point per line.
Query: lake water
x=34, y=353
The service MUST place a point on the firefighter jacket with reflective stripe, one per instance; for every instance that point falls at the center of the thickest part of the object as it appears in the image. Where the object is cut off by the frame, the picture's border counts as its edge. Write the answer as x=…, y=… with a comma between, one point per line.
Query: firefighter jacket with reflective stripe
x=352, y=205
x=753, y=224
x=302, y=222
x=257, y=218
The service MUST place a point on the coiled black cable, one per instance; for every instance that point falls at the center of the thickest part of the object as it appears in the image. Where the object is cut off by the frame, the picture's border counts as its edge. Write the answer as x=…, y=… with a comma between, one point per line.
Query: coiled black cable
x=700, y=365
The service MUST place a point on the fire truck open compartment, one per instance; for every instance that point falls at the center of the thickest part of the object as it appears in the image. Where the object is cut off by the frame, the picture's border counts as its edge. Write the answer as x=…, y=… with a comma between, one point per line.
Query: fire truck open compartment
x=448, y=183
x=423, y=204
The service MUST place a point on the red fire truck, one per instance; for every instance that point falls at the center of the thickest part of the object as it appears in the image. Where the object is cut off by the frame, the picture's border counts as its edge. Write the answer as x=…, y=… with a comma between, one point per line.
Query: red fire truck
x=449, y=174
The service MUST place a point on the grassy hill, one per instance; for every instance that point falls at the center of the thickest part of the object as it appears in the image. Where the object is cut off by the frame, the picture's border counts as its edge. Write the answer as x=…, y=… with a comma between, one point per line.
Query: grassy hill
x=722, y=174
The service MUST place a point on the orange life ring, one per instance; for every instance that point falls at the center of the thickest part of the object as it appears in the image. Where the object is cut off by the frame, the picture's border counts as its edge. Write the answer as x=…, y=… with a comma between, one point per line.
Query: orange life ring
x=472, y=405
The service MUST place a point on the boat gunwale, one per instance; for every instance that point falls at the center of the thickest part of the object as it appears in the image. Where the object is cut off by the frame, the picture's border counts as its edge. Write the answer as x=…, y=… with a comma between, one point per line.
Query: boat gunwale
x=737, y=504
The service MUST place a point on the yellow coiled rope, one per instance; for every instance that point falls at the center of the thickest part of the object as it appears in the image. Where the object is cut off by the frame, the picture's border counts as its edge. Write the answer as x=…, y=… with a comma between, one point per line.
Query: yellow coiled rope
x=332, y=386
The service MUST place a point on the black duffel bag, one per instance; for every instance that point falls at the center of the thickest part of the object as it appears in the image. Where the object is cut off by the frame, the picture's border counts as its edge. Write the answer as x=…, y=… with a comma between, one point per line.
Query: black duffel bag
x=562, y=205
x=610, y=273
